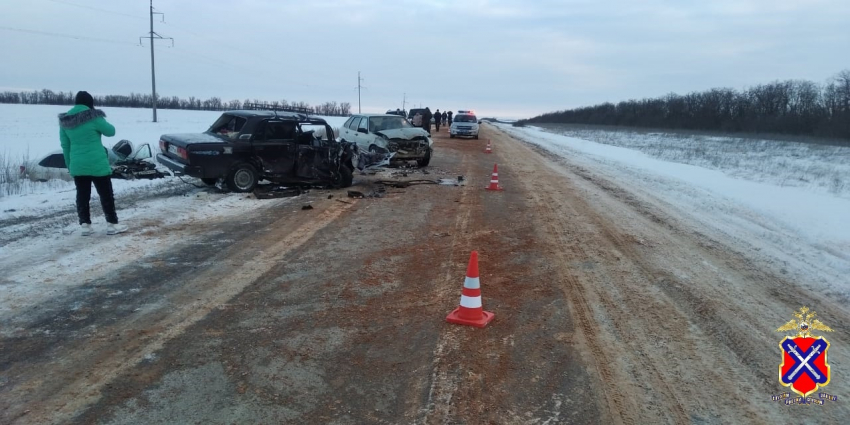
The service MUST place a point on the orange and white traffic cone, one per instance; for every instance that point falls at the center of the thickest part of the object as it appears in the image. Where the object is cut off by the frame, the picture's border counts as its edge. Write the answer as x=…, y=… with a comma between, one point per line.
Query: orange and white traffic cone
x=471, y=312
x=494, y=179
x=488, y=149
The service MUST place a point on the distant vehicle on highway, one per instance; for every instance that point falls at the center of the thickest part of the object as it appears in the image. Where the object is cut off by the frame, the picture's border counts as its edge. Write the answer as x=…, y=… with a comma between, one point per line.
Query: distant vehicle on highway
x=464, y=124
x=384, y=133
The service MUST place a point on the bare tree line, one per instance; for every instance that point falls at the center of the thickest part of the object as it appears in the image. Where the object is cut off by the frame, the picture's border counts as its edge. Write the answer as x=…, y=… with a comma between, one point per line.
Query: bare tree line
x=795, y=107
x=135, y=100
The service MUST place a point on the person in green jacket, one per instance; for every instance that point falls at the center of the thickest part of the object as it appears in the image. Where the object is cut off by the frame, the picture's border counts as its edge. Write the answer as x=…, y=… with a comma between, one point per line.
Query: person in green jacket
x=79, y=131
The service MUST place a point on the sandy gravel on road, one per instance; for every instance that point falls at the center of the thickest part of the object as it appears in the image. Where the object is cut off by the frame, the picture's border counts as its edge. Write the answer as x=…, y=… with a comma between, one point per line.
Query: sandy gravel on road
x=680, y=322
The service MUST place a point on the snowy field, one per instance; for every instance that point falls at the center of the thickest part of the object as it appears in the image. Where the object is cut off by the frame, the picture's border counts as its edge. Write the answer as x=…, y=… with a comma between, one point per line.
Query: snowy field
x=33, y=130
x=805, y=165
x=786, y=203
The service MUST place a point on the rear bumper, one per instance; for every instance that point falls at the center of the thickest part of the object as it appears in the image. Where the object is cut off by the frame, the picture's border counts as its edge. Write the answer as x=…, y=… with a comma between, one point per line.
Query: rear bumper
x=179, y=167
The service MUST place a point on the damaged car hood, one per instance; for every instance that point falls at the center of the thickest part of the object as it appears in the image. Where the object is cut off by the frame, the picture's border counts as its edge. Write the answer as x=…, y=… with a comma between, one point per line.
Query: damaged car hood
x=404, y=133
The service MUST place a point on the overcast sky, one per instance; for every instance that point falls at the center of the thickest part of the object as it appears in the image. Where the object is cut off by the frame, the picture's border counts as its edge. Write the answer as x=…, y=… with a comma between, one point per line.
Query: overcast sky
x=501, y=58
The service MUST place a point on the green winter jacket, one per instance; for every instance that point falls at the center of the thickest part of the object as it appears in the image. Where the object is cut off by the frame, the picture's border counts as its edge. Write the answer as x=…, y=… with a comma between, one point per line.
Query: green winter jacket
x=80, y=130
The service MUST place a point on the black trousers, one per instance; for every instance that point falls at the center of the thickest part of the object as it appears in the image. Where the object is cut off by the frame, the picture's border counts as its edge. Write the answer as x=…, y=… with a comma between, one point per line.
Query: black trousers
x=103, y=185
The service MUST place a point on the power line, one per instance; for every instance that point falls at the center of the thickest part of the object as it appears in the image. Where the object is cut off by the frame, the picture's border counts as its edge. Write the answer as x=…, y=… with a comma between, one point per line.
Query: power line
x=242, y=50
x=97, y=9
x=154, y=36
x=74, y=37
x=359, y=80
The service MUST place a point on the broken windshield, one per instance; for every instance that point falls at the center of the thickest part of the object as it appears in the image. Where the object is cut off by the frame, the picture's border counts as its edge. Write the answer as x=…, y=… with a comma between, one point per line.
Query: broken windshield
x=388, y=123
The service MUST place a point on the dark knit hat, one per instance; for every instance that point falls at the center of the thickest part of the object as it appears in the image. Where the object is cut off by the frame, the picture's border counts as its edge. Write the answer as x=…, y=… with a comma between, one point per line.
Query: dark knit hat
x=84, y=98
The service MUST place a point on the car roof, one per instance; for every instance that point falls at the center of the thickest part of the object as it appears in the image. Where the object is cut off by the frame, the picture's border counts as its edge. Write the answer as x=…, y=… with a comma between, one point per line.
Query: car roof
x=279, y=114
x=375, y=115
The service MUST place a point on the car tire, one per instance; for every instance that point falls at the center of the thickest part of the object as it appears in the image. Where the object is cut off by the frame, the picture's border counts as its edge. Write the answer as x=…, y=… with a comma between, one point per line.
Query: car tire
x=242, y=178
x=451, y=136
x=209, y=182
x=346, y=177
x=476, y=137
x=376, y=149
x=425, y=161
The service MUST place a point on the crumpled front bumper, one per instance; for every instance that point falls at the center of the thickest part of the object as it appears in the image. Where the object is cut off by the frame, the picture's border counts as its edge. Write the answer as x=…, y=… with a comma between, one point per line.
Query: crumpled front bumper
x=409, y=149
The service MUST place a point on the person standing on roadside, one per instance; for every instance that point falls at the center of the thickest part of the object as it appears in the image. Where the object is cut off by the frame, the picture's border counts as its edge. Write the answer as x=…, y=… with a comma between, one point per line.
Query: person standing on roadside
x=417, y=120
x=449, y=118
x=438, y=119
x=80, y=130
x=426, y=120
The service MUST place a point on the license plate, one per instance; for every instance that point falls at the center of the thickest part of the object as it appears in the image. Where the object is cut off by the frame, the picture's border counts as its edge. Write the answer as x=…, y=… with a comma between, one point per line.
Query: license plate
x=173, y=149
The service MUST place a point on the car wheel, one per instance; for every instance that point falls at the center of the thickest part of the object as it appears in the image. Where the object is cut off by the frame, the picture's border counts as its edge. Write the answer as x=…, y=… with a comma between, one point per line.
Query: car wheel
x=209, y=182
x=346, y=177
x=425, y=161
x=451, y=136
x=242, y=178
x=475, y=137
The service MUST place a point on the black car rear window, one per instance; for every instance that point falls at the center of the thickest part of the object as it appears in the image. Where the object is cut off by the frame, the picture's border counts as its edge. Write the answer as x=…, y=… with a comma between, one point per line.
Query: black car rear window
x=57, y=160
x=465, y=118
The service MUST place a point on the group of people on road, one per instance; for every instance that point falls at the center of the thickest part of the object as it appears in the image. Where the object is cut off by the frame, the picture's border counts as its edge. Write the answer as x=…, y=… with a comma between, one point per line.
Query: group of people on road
x=423, y=119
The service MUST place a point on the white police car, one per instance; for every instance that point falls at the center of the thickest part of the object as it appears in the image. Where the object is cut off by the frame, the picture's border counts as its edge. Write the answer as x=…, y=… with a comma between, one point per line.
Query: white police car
x=464, y=124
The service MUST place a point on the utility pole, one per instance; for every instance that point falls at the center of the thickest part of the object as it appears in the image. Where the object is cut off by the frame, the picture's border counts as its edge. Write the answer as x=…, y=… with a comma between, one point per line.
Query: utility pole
x=152, y=35
x=403, y=103
x=358, y=92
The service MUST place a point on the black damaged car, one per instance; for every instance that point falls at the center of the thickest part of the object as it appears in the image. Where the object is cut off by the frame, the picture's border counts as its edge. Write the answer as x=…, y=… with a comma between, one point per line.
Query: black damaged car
x=244, y=147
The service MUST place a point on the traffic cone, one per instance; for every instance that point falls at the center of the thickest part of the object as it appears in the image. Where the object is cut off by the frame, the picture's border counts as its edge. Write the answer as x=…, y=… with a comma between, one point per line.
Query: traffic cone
x=494, y=180
x=470, y=312
x=488, y=150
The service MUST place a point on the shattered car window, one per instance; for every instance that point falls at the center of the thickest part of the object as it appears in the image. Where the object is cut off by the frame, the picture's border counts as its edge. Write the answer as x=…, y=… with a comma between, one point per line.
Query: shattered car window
x=276, y=130
x=388, y=123
x=228, y=125
x=465, y=118
x=317, y=131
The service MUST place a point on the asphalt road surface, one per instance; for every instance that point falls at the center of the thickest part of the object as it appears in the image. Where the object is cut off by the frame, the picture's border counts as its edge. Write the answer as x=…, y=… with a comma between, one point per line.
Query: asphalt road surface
x=611, y=307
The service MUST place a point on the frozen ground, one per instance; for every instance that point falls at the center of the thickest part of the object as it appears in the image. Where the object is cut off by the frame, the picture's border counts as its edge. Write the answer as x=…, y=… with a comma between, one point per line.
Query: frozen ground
x=774, y=198
x=786, y=202
x=41, y=219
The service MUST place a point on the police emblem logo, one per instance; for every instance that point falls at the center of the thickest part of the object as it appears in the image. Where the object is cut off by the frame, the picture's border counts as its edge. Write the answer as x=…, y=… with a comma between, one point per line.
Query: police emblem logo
x=804, y=368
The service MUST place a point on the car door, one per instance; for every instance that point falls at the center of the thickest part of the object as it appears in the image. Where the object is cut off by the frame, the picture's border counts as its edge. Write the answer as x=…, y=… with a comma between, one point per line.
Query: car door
x=363, y=137
x=350, y=130
x=274, y=145
x=313, y=160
